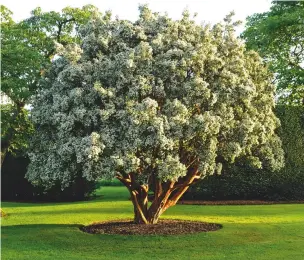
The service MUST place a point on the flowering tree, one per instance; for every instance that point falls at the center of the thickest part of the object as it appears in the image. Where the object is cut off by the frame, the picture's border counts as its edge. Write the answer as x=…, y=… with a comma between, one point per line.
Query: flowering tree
x=155, y=102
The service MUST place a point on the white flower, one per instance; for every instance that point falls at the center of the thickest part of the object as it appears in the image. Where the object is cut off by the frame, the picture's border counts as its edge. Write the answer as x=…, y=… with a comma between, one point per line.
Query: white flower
x=148, y=97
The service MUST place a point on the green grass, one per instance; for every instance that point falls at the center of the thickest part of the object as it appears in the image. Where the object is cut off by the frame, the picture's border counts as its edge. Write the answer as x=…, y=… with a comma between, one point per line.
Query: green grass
x=50, y=231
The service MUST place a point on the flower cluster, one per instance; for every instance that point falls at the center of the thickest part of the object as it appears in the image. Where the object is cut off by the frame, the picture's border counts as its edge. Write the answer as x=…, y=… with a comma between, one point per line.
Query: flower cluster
x=152, y=97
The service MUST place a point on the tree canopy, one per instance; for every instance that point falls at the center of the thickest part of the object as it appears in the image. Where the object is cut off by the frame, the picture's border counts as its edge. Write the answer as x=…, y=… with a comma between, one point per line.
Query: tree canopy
x=278, y=37
x=27, y=48
x=153, y=102
x=21, y=59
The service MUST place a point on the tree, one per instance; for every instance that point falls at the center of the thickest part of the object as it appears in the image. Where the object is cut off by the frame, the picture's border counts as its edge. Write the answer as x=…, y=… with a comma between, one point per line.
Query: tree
x=16, y=129
x=27, y=49
x=59, y=27
x=278, y=37
x=156, y=101
x=21, y=65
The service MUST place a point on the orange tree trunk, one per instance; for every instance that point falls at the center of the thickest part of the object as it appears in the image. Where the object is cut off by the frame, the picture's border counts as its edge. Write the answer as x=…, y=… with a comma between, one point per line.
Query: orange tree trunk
x=165, y=195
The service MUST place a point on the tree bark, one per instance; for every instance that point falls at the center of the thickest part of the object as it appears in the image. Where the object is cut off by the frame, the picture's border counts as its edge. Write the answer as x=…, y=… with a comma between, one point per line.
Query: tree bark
x=165, y=196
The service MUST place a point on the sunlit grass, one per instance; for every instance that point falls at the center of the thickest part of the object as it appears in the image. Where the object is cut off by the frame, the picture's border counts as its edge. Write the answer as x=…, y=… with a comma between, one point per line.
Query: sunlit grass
x=51, y=231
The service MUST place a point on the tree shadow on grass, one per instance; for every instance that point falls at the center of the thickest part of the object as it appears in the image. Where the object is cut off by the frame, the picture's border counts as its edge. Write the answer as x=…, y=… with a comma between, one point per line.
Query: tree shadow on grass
x=49, y=233
x=34, y=231
x=43, y=226
x=100, y=199
x=69, y=240
x=102, y=210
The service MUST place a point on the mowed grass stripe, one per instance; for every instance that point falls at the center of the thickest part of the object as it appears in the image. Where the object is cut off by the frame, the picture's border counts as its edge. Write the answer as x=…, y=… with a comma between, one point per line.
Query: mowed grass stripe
x=51, y=231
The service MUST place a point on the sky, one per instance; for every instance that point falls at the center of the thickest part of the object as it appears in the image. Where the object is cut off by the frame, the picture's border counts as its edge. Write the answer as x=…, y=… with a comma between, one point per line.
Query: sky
x=208, y=10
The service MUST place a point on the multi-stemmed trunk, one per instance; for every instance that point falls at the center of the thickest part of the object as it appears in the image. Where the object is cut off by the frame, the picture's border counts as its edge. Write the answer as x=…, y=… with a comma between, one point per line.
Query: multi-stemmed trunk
x=165, y=195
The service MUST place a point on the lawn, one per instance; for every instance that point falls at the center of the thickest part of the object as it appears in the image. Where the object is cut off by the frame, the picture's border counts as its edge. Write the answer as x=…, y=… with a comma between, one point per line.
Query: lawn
x=50, y=231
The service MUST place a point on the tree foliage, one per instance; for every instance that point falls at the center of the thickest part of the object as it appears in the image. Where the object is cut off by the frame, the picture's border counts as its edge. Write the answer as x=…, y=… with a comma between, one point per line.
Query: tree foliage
x=153, y=101
x=21, y=59
x=26, y=52
x=241, y=181
x=15, y=187
x=278, y=37
x=59, y=27
x=16, y=129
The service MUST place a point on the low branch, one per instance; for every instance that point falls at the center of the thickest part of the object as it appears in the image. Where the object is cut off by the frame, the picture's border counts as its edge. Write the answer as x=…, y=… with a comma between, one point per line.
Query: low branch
x=126, y=182
x=181, y=189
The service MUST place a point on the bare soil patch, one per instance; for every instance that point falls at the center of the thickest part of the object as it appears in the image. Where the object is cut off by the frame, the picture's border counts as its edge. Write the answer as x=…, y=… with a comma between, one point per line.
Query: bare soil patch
x=163, y=227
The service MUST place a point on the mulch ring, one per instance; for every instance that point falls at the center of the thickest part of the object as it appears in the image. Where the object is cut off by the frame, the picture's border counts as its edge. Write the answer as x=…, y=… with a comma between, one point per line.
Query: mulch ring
x=163, y=227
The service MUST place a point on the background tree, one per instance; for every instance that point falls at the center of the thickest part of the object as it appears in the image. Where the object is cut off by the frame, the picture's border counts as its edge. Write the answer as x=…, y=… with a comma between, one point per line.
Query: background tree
x=59, y=27
x=20, y=69
x=154, y=101
x=278, y=37
x=26, y=52
x=16, y=129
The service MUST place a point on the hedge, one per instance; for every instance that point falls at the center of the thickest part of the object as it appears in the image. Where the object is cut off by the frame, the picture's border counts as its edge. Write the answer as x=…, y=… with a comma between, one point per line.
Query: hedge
x=15, y=187
x=239, y=182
